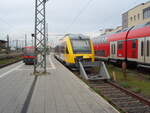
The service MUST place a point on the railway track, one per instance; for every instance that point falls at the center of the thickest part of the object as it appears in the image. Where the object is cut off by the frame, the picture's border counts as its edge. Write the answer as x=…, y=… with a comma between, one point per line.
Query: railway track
x=4, y=65
x=123, y=99
x=11, y=55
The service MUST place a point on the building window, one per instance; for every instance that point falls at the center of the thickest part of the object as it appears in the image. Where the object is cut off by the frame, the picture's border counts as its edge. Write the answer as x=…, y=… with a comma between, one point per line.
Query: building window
x=131, y=19
x=138, y=16
x=146, y=13
x=133, y=43
x=134, y=17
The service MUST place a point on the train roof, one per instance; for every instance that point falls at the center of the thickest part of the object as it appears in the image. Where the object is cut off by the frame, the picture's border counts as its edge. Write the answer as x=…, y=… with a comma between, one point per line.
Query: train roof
x=125, y=30
x=77, y=36
x=29, y=47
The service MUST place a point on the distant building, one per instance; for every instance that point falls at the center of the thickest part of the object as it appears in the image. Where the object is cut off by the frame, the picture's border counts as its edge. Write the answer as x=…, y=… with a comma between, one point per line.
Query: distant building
x=92, y=34
x=117, y=29
x=140, y=14
x=3, y=45
x=106, y=31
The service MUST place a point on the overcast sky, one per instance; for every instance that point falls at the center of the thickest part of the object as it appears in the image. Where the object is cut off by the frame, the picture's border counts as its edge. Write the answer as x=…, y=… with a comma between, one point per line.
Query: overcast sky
x=17, y=16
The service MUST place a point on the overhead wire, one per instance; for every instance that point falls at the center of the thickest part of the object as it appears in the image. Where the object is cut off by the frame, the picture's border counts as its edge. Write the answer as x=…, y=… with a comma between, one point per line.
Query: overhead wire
x=108, y=18
x=79, y=14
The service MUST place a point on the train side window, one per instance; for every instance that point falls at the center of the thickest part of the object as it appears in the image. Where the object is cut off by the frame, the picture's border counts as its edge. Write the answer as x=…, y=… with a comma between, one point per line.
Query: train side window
x=114, y=49
x=120, y=45
x=148, y=48
x=142, y=48
x=133, y=43
x=67, y=52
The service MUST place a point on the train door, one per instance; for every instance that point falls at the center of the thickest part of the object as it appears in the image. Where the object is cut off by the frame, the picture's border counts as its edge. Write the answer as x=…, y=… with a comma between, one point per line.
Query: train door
x=147, y=50
x=113, y=50
x=66, y=53
x=141, y=50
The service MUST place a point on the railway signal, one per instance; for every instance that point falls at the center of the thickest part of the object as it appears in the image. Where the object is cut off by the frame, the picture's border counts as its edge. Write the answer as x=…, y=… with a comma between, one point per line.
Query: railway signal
x=40, y=36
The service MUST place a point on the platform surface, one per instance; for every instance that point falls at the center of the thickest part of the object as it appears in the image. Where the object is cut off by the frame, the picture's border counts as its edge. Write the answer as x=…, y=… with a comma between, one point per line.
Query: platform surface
x=59, y=91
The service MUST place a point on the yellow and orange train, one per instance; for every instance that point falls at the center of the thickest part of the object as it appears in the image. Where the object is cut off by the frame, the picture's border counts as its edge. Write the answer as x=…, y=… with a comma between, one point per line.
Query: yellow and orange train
x=74, y=47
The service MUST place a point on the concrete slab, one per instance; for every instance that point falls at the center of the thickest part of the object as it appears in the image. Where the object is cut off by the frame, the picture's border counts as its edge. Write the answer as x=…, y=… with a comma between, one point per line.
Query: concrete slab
x=58, y=92
x=62, y=92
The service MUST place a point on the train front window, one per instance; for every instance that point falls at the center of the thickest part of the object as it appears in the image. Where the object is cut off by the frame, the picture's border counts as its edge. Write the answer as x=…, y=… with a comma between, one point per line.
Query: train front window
x=81, y=46
x=29, y=51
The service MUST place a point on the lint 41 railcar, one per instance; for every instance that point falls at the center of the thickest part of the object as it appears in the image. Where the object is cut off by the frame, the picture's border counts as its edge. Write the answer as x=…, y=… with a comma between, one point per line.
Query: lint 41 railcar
x=74, y=47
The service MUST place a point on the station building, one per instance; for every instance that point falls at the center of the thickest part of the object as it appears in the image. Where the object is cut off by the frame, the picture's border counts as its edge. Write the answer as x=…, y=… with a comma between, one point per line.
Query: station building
x=3, y=45
x=140, y=14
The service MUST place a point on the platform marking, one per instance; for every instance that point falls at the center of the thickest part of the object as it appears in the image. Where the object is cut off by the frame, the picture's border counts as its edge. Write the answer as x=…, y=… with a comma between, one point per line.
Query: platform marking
x=32, y=69
x=2, y=75
x=52, y=64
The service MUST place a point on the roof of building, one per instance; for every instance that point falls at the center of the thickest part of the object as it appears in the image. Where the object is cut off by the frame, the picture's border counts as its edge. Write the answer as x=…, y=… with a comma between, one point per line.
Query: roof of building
x=137, y=6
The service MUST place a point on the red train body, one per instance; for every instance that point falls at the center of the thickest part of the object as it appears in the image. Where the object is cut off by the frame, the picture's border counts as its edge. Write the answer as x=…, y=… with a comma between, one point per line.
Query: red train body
x=28, y=56
x=132, y=44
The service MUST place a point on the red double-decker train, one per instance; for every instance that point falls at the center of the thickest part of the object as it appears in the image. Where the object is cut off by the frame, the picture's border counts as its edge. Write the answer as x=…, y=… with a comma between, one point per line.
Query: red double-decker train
x=130, y=45
x=28, y=55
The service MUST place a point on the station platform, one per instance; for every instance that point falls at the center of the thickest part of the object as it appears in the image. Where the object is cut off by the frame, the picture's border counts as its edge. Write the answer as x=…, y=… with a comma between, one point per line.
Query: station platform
x=59, y=91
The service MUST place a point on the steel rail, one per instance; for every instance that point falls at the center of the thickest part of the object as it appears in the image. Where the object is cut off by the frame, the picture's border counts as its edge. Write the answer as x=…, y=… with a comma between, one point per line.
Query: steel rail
x=146, y=101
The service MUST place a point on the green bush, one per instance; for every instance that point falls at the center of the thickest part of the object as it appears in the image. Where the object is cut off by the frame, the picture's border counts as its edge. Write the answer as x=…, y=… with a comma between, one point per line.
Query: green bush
x=136, y=90
x=125, y=84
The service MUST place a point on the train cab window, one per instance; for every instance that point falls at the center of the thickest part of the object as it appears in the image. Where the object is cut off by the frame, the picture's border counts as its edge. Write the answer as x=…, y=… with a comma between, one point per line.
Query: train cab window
x=148, y=48
x=142, y=48
x=133, y=43
x=81, y=46
x=120, y=45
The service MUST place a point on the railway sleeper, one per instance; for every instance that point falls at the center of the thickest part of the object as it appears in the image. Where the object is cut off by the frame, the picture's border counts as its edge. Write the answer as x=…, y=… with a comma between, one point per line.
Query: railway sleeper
x=99, y=84
x=104, y=87
x=123, y=99
x=111, y=91
x=135, y=105
x=141, y=109
x=127, y=102
x=111, y=95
